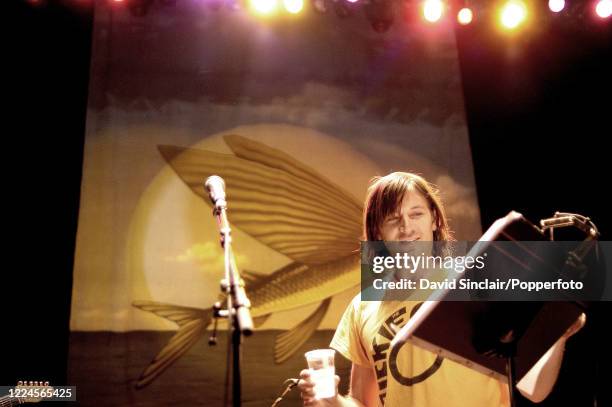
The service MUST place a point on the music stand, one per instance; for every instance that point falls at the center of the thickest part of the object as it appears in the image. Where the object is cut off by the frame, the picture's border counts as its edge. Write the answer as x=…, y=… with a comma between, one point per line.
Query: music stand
x=516, y=334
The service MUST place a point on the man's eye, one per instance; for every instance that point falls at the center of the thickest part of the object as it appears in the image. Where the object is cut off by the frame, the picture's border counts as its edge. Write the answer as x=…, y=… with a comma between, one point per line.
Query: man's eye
x=416, y=215
x=392, y=220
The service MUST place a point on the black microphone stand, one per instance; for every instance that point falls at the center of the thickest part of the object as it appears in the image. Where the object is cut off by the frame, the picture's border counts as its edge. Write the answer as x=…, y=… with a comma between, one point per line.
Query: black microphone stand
x=237, y=307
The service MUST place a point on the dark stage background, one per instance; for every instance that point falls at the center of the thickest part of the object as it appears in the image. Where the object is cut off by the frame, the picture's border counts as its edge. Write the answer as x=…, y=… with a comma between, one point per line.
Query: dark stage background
x=539, y=130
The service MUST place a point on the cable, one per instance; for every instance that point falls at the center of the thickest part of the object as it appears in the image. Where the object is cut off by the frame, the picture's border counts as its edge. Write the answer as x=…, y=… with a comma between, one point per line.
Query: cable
x=291, y=383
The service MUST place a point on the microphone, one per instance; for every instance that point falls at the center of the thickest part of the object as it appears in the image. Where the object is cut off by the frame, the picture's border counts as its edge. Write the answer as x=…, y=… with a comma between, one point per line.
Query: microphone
x=216, y=190
x=558, y=221
x=231, y=283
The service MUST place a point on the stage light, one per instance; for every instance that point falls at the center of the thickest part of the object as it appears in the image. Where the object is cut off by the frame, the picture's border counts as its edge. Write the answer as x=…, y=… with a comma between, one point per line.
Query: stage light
x=432, y=10
x=465, y=16
x=352, y=1
x=293, y=6
x=556, y=5
x=513, y=14
x=604, y=8
x=264, y=6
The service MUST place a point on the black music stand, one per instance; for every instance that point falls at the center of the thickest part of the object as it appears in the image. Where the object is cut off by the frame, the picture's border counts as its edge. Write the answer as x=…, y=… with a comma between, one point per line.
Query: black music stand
x=502, y=339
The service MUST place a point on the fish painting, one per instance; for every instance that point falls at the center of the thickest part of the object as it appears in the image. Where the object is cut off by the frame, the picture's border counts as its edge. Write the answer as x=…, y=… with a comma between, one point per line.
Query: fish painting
x=290, y=208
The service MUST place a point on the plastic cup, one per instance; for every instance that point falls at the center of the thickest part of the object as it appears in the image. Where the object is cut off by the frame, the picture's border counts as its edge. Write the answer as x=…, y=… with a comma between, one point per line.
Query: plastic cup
x=322, y=372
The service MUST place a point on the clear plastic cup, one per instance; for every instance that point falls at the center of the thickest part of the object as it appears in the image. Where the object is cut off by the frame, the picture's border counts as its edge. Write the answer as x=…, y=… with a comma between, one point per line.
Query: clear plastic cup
x=322, y=371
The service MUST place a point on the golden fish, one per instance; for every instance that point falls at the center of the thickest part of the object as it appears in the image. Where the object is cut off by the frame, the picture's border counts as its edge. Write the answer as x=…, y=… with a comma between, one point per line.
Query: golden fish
x=325, y=253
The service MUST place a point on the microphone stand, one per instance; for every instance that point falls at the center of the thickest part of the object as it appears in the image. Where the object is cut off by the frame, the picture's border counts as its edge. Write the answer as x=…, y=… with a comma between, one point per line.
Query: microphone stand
x=238, y=304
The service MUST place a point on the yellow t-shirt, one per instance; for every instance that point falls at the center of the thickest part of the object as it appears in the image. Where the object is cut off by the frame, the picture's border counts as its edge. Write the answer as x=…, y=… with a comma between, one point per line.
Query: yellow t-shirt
x=414, y=377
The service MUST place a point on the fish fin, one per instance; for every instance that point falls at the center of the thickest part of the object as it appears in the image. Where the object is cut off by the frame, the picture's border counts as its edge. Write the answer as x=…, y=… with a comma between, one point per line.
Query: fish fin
x=176, y=313
x=251, y=277
x=187, y=335
x=254, y=151
x=307, y=218
x=259, y=321
x=191, y=321
x=288, y=342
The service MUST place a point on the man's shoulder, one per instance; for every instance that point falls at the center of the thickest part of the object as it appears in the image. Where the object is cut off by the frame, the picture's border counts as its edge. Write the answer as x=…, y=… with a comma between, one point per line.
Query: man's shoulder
x=369, y=308
x=360, y=304
x=365, y=310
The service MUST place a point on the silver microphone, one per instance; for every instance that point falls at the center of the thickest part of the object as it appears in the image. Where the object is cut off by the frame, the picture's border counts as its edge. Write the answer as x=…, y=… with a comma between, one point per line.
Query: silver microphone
x=216, y=189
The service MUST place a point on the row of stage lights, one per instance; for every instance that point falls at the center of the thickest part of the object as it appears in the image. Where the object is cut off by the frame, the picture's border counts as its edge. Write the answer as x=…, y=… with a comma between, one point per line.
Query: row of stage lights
x=511, y=14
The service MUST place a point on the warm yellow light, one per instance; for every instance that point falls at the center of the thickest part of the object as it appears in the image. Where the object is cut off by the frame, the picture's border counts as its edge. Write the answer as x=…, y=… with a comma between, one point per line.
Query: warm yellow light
x=465, y=16
x=264, y=6
x=556, y=5
x=513, y=14
x=293, y=6
x=604, y=8
x=432, y=10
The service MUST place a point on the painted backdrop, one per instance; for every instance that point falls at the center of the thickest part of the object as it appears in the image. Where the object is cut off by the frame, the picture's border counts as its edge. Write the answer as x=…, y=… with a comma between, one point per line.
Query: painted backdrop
x=297, y=115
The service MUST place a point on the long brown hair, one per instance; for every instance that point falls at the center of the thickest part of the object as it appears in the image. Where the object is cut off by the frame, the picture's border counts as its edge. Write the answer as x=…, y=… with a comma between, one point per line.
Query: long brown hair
x=385, y=195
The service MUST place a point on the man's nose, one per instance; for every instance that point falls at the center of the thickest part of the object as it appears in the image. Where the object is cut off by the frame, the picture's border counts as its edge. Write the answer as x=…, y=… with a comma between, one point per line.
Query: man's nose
x=407, y=226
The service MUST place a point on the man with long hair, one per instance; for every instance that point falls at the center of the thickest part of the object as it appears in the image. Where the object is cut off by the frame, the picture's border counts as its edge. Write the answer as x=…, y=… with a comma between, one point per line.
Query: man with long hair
x=404, y=207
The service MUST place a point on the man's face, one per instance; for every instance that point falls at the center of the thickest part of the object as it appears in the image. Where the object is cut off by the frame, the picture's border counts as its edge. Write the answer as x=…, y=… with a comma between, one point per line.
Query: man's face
x=412, y=220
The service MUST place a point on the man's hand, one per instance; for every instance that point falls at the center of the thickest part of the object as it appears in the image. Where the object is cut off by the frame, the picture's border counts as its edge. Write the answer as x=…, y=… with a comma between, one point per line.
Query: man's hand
x=307, y=393
x=537, y=384
x=576, y=326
